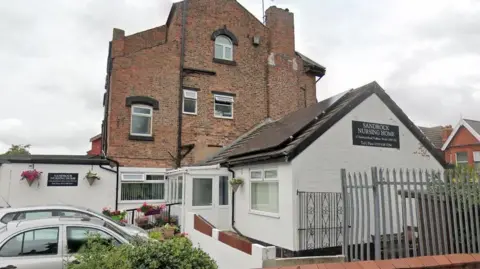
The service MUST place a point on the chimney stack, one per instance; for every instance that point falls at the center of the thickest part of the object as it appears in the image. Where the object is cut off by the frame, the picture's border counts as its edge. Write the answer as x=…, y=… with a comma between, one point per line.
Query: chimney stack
x=446, y=131
x=281, y=30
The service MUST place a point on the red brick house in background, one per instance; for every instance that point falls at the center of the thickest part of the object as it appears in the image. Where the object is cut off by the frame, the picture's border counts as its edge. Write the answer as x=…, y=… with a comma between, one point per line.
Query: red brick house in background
x=96, y=142
x=175, y=95
x=462, y=144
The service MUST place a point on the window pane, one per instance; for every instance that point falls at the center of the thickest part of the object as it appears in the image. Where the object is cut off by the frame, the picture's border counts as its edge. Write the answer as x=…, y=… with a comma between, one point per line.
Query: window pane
x=189, y=105
x=140, y=124
x=202, y=192
x=78, y=236
x=132, y=177
x=35, y=215
x=218, y=51
x=256, y=174
x=223, y=40
x=142, y=191
x=41, y=242
x=8, y=217
x=180, y=189
x=462, y=157
x=476, y=156
x=223, y=190
x=155, y=177
x=13, y=247
x=223, y=110
x=228, y=53
x=270, y=173
x=141, y=110
x=72, y=214
x=264, y=196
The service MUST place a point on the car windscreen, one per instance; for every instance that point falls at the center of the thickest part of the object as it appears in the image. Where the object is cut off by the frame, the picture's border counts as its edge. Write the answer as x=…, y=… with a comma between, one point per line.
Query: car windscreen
x=106, y=217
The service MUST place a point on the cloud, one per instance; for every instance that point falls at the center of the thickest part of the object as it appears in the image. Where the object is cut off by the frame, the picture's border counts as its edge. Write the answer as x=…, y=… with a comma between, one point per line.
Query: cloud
x=54, y=53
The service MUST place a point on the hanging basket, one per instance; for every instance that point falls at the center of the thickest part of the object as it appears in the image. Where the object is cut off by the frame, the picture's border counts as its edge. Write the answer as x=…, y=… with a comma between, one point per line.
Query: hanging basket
x=30, y=182
x=235, y=187
x=92, y=180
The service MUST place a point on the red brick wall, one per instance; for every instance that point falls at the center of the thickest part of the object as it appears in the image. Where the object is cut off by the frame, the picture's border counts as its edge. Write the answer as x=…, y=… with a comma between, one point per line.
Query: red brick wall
x=147, y=64
x=469, y=261
x=463, y=141
x=96, y=147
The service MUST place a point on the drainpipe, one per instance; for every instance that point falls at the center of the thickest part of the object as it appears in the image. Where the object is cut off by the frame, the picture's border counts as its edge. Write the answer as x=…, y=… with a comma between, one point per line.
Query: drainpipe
x=178, y=161
x=233, y=205
x=118, y=177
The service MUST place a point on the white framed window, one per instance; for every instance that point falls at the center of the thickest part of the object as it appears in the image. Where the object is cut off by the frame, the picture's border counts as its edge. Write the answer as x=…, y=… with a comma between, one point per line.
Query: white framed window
x=189, y=102
x=461, y=159
x=175, y=189
x=223, y=48
x=264, y=196
x=141, y=121
x=223, y=190
x=223, y=107
x=476, y=160
x=142, y=187
x=202, y=192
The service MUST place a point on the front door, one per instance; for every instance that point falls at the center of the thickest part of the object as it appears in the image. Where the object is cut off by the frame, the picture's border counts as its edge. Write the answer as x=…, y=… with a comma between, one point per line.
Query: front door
x=210, y=199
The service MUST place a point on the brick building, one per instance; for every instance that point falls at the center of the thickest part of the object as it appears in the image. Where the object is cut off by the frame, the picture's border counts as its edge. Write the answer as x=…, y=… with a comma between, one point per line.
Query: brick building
x=462, y=144
x=231, y=73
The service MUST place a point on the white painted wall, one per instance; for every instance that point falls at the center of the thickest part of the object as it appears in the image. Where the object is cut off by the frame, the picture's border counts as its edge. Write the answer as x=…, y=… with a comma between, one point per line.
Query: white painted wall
x=317, y=168
x=277, y=230
x=19, y=193
x=226, y=256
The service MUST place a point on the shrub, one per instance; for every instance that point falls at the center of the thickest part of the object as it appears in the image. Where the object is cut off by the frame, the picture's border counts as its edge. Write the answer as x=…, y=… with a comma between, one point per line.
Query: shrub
x=177, y=253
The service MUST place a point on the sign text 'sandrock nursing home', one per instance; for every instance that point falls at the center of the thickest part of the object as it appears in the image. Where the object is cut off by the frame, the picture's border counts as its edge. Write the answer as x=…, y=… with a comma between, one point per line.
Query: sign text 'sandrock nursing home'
x=375, y=135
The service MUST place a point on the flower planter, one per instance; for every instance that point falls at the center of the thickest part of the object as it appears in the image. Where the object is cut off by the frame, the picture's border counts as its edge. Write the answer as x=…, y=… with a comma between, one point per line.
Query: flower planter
x=155, y=211
x=168, y=233
x=91, y=180
x=117, y=217
x=30, y=182
x=235, y=187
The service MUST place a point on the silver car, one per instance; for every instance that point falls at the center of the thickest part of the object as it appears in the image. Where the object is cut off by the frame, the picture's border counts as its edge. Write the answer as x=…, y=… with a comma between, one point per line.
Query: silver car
x=36, y=212
x=50, y=243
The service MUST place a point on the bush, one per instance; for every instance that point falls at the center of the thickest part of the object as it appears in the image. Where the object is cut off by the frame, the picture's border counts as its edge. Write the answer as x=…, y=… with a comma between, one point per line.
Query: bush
x=177, y=253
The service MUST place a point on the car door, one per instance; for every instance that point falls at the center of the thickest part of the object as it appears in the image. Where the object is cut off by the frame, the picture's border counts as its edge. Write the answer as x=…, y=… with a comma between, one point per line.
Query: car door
x=39, y=248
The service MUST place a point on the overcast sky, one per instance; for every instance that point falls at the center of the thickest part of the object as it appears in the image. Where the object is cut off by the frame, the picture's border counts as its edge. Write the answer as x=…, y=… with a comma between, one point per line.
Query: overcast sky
x=53, y=54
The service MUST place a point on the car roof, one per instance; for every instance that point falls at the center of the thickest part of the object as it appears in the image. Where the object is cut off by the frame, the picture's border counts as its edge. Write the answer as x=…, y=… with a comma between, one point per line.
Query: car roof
x=25, y=224
x=41, y=207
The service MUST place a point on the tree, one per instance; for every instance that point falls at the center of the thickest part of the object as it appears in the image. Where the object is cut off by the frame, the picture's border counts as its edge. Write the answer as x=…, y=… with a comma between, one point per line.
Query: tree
x=18, y=150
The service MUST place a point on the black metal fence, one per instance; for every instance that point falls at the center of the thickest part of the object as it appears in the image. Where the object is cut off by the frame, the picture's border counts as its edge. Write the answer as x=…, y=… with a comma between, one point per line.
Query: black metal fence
x=320, y=221
x=164, y=217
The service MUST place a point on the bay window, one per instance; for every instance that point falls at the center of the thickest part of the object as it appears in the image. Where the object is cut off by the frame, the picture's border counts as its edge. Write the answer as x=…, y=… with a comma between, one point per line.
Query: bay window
x=142, y=187
x=264, y=195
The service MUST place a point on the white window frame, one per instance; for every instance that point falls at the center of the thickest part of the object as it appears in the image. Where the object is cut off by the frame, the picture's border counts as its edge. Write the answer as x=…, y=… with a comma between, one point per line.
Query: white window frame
x=212, y=192
x=132, y=113
x=193, y=96
x=144, y=181
x=263, y=179
x=226, y=99
x=456, y=158
x=224, y=46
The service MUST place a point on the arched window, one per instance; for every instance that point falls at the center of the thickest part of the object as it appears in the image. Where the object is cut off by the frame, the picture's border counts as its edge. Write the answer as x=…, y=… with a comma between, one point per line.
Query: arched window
x=223, y=48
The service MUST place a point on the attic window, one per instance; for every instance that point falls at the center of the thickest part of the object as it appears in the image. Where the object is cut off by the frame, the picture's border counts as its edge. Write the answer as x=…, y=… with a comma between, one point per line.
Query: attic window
x=223, y=48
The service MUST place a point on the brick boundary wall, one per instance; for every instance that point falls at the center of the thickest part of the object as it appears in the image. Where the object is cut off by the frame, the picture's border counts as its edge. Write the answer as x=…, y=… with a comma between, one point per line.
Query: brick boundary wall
x=203, y=226
x=469, y=261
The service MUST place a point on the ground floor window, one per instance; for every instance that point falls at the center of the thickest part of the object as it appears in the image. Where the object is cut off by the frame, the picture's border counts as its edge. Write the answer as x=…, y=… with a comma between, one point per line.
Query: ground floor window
x=264, y=195
x=476, y=160
x=142, y=187
x=202, y=192
x=223, y=190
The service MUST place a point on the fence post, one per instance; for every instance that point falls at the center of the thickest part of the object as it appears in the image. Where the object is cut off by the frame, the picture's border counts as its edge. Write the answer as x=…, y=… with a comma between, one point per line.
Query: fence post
x=343, y=176
x=376, y=212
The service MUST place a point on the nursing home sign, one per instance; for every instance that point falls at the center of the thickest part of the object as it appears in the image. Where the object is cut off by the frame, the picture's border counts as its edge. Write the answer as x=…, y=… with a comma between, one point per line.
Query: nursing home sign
x=375, y=135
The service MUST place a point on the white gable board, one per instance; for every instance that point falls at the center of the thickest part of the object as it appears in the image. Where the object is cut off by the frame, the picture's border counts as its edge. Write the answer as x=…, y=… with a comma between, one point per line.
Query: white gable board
x=318, y=167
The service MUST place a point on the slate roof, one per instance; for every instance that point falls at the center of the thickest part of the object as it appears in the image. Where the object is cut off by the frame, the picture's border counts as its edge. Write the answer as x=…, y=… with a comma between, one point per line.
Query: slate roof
x=54, y=159
x=286, y=138
x=434, y=134
x=474, y=124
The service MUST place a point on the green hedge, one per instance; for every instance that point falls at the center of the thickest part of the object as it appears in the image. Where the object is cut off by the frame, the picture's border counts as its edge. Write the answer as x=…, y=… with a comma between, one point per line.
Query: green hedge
x=177, y=253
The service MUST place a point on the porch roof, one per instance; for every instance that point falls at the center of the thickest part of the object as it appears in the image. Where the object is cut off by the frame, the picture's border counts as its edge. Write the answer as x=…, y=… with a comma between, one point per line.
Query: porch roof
x=284, y=139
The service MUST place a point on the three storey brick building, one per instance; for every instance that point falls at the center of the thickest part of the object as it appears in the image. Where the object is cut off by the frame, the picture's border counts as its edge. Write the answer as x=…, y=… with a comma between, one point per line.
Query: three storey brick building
x=177, y=93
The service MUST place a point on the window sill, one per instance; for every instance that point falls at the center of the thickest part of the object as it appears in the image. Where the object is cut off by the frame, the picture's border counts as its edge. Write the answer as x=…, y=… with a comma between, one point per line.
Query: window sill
x=189, y=113
x=223, y=61
x=140, y=138
x=265, y=214
x=225, y=118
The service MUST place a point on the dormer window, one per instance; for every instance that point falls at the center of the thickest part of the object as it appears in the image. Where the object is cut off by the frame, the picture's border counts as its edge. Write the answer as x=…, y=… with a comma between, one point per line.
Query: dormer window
x=223, y=48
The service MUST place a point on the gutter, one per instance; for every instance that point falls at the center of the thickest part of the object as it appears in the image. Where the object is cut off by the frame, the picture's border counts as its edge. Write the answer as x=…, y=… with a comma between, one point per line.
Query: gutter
x=178, y=161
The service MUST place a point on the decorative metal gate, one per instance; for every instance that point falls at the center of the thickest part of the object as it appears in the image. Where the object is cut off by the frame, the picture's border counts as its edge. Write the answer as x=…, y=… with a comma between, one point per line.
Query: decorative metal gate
x=320, y=220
